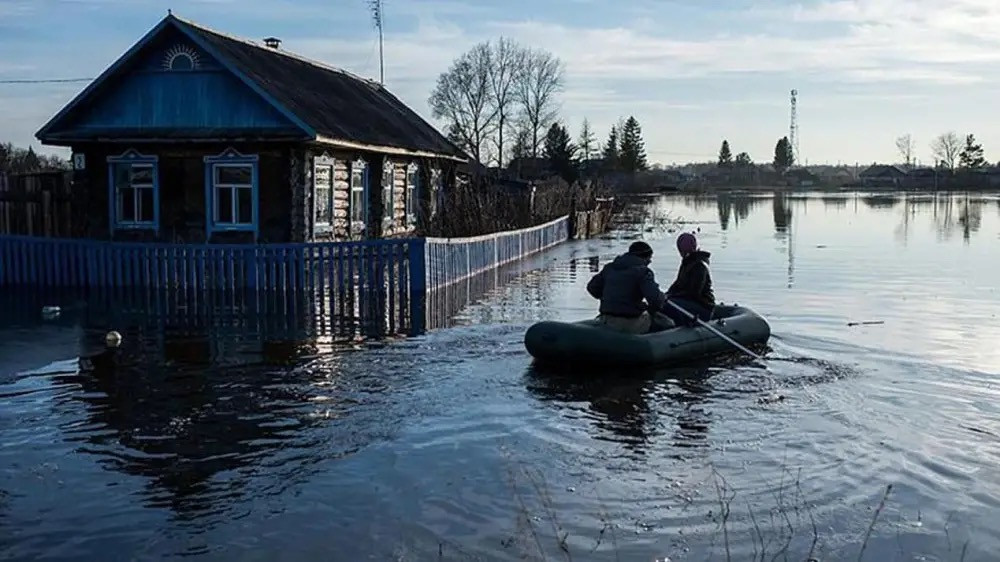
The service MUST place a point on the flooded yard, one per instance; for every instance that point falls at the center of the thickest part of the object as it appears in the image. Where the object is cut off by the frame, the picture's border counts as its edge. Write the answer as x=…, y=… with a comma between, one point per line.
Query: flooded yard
x=876, y=428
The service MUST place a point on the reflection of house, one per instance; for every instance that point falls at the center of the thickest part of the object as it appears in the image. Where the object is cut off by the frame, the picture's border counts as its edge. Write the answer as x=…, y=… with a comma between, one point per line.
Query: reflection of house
x=197, y=136
x=880, y=175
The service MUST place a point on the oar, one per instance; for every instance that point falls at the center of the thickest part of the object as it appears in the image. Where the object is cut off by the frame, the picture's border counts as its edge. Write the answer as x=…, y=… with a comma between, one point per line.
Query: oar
x=717, y=332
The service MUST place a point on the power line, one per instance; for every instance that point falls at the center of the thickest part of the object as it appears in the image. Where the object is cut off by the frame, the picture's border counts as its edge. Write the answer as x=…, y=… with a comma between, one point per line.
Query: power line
x=46, y=81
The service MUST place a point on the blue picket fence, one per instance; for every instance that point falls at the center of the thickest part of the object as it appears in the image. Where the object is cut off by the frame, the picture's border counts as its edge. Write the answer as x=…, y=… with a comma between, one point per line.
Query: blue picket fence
x=367, y=287
x=450, y=260
x=377, y=282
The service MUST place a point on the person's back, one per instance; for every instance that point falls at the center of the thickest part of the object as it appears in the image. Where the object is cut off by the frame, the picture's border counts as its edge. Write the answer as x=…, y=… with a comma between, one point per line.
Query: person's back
x=692, y=289
x=622, y=285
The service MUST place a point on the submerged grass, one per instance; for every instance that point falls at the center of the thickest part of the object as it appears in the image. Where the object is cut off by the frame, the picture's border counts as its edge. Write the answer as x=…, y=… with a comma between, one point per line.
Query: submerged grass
x=771, y=531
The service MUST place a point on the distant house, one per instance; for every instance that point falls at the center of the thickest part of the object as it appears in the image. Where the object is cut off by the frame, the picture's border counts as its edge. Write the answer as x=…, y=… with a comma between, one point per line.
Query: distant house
x=530, y=168
x=880, y=175
x=836, y=176
x=193, y=135
x=923, y=178
x=801, y=177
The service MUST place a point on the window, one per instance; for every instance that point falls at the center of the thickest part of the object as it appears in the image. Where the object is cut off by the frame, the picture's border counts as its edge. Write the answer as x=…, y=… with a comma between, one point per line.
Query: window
x=323, y=194
x=412, y=177
x=133, y=191
x=436, y=201
x=359, y=179
x=388, y=178
x=231, y=190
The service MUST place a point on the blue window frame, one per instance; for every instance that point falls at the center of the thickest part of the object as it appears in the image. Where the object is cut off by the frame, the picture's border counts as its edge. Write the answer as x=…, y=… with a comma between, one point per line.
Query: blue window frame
x=231, y=192
x=412, y=187
x=133, y=191
x=323, y=190
x=358, y=202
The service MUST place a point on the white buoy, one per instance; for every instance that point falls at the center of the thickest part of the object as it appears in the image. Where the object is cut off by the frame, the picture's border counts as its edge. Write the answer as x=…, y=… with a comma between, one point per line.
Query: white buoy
x=113, y=339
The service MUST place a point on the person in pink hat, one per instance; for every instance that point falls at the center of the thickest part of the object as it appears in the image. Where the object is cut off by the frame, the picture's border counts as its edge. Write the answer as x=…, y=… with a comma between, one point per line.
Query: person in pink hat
x=692, y=289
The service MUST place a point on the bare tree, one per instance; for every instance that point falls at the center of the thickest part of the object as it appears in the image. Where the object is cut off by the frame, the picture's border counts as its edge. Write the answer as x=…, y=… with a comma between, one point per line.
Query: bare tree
x=541, y=79
x=463, y=97
x=904, y=145
x=506, y=65
x=946, y=147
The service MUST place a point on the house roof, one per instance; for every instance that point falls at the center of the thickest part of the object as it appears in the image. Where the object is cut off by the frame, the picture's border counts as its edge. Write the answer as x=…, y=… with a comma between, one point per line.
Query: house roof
x=330, y=105
x=878, y=170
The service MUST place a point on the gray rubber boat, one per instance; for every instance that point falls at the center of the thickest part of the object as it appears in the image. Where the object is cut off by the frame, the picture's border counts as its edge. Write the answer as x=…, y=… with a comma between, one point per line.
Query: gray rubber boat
x=587, y=342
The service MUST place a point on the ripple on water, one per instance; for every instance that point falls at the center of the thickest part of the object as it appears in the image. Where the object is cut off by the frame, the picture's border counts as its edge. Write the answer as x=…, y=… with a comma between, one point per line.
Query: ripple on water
x=452, y=441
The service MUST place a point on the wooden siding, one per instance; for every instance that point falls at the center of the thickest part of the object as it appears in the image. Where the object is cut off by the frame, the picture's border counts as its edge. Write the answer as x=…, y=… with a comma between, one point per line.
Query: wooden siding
x=182, y=194
x=341, y=199
x=152, y=96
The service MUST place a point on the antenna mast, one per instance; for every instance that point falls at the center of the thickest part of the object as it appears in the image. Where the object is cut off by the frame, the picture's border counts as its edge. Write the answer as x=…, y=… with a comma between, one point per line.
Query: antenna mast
x=376, y=7
x=793, y=129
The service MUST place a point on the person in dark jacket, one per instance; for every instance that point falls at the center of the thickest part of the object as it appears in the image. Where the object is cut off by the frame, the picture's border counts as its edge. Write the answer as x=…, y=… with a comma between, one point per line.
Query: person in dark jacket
x=622, y=285
x=692, y=289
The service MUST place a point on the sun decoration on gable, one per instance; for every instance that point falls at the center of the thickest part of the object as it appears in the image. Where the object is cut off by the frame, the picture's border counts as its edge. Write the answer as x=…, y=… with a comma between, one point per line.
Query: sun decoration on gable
x=181, y=57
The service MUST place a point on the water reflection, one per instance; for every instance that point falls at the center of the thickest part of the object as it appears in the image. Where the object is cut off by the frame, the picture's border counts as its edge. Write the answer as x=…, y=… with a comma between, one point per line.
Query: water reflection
x=735, y=206
x=628, y=408
x=882, y=201
x=952, y=213
x=782, y=212
x=198, y=436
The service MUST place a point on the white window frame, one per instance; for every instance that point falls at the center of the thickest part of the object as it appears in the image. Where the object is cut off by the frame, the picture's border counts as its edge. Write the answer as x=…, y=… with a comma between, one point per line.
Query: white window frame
x=437, y=179
x=320, y=225
x=410, y=202
x=388, y=179
x=358, y=169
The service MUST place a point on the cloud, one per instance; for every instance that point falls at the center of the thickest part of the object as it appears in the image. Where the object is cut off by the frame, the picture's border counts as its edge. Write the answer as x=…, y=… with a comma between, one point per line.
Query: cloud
x=691, y=65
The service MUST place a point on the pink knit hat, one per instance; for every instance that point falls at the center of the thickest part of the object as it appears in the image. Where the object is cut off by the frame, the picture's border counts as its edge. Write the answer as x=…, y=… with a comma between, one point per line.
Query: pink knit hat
x=687, y=243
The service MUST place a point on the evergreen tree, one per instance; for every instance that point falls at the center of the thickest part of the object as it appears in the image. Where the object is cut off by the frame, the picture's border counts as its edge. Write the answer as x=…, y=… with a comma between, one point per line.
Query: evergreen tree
x=743, y=160
x=561, y=153
x=725, y=155
x=633, y=151
x=783, y=158
x=971, y=157
x=611, y=156
x=522, y=144
x=588, y=141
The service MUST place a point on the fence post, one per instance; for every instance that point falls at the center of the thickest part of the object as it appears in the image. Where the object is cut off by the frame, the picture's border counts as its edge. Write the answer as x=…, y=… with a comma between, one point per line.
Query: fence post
x=418, y=285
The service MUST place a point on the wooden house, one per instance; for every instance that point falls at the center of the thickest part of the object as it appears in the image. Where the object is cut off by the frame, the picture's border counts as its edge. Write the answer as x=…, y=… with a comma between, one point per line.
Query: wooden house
x=881, y=175
x=194, y=135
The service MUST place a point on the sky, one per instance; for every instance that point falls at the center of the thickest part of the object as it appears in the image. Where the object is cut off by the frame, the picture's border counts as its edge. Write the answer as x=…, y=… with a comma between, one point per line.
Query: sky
x=692, y=72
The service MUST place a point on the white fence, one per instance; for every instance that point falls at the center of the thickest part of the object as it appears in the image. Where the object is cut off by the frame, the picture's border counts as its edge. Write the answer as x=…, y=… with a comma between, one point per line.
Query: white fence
x=453, y=259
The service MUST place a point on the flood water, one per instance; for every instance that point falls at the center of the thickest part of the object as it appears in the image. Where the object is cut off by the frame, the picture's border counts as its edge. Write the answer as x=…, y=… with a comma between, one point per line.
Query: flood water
x=266, y=443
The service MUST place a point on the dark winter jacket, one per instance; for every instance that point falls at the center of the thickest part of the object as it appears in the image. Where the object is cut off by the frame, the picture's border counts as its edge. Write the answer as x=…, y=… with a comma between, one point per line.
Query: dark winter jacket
x=694, y=280
x=623, y=284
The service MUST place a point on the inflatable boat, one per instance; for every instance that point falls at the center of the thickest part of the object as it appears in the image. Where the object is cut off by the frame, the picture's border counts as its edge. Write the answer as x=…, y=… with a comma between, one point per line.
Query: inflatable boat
x=589, y=342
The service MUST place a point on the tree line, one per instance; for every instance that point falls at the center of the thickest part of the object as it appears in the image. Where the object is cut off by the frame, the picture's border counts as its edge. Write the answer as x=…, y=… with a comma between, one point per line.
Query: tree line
x=784, y=157
x=499, y=102
x=947, y=148
x=623, y=151
x=17, y=160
